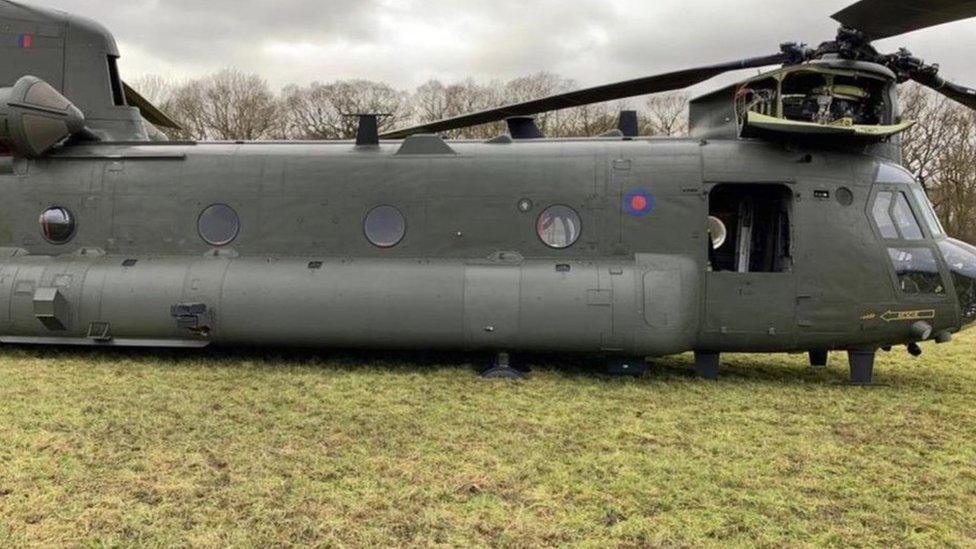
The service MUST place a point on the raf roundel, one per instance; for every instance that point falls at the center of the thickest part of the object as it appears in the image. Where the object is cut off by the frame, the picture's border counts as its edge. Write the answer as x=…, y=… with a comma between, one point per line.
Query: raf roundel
x=638, y=203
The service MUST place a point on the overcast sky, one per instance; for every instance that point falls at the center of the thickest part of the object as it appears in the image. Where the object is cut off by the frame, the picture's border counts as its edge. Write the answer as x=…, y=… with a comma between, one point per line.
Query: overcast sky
x=407, y=42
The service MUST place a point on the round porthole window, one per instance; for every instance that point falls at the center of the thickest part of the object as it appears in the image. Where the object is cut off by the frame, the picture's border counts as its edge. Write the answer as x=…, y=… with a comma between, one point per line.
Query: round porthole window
x=57, y=225
x=385, y=226
x=559, y=226
x=218, y=225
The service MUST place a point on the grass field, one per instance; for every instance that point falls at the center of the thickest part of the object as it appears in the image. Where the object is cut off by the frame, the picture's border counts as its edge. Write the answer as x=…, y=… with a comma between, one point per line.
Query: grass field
x=242, y=448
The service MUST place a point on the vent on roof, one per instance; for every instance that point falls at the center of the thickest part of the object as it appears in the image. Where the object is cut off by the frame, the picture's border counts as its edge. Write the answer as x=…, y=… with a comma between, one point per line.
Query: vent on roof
x=424, y=143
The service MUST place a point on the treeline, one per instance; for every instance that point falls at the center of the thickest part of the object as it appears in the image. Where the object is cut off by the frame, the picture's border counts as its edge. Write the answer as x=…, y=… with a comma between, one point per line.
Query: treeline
x=231, y=105
x=941, y=150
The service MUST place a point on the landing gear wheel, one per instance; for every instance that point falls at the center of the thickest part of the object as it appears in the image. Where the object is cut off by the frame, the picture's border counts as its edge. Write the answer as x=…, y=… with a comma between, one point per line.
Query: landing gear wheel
x=502, y=369
x=502, y=372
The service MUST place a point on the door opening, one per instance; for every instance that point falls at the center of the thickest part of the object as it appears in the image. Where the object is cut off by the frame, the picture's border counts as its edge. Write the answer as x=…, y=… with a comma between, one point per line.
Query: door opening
x=757, y=223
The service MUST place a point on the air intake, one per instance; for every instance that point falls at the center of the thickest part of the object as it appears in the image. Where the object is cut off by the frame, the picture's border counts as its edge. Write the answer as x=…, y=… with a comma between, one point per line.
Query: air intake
x=34, y=117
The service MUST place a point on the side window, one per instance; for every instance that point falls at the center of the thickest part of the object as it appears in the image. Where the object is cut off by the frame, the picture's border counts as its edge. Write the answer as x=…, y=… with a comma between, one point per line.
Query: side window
x=894, y=217
x=558, y=226
x=218, y=225
x=57, y=225
x=917, y=271
x=385, y=226
x=882, y=215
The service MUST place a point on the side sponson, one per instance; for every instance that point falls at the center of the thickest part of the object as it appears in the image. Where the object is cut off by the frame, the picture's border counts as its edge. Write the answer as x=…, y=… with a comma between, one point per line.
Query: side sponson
x=641, y=306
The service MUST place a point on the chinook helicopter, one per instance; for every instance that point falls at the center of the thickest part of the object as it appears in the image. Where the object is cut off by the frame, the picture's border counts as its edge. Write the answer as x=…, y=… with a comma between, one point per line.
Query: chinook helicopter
x=785, y=223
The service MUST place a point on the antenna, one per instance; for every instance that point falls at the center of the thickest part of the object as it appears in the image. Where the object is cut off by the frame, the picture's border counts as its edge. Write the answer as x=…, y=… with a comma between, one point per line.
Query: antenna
x=368, y=133
x=628, y=124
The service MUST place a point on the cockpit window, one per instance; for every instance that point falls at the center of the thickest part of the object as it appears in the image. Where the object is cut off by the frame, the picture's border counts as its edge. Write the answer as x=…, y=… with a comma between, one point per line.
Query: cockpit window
x=905, y=218
x=961, y=259
x=882, y=215
x=932, y=220
x=895, y=218
x=917, y=271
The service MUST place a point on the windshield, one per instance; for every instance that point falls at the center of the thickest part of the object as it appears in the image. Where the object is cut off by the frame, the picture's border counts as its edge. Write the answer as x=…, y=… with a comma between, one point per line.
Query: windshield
x=961, y=258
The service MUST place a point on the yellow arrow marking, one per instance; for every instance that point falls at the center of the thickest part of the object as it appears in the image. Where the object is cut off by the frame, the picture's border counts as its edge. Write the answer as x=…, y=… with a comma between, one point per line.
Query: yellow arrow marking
x=905, y=316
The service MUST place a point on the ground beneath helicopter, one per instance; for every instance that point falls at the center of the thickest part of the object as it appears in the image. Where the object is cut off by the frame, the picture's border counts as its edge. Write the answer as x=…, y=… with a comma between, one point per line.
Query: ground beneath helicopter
x=247, y=448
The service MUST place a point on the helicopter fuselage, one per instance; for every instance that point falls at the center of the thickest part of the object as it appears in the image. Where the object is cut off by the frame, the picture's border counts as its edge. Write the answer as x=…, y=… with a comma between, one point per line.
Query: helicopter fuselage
x=634, y=272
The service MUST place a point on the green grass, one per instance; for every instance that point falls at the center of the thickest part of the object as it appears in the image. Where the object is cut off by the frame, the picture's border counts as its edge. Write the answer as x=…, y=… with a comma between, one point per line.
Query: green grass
x=244, y=448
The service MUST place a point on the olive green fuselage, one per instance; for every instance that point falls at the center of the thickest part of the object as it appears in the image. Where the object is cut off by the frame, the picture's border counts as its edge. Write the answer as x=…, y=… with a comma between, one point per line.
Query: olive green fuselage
x=471, y=271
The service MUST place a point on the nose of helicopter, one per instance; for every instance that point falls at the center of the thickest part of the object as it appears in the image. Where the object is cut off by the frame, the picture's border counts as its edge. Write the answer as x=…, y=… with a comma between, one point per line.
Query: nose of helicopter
x=961, y=258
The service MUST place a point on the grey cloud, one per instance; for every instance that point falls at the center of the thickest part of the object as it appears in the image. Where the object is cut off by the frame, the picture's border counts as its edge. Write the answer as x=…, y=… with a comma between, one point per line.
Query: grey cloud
x=405, y=42
x=212, y=30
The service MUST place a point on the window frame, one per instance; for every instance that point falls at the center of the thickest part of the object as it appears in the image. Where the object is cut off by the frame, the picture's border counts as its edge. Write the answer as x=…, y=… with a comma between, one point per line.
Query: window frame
x=897, y=192
x=873, y=211
x=237, y=231
x=72, y=219
x=403, y=233
x=579, y=228
x=928, y=212
x=793, y=227
x=928, y=242
x=902, y=198
x=938, y=265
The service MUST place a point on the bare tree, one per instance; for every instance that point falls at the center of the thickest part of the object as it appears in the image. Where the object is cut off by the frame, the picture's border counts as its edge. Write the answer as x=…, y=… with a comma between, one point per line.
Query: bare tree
x=954, y=190
x=536, y=86
x=229, y=105
x=430, y=102
x=436, y=101
x=588, y=120
x=666, y=115
x=941, y=149
x=934, y=130
x=321, y=111
x=157, y=89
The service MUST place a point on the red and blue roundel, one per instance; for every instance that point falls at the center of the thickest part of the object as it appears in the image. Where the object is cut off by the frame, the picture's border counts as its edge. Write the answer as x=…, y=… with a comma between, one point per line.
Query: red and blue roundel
x=25, y=41
x=638, y=203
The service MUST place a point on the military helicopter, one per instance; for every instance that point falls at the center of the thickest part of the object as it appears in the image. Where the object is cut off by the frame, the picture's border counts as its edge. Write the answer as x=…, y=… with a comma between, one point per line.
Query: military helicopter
x=784, y=224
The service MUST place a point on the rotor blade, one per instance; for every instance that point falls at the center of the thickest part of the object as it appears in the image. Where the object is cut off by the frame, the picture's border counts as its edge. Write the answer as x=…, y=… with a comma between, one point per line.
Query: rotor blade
x=960, y=94
x=879, y=19
x=149, y=111
x=610, y=92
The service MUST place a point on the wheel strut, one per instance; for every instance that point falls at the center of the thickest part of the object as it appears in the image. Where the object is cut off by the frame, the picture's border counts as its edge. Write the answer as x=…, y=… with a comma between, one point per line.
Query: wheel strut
x=706, y=365
x=862, y=367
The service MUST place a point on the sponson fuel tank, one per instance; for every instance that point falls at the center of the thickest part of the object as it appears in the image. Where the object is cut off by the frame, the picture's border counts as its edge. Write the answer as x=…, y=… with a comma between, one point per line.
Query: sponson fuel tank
x=502, y=302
